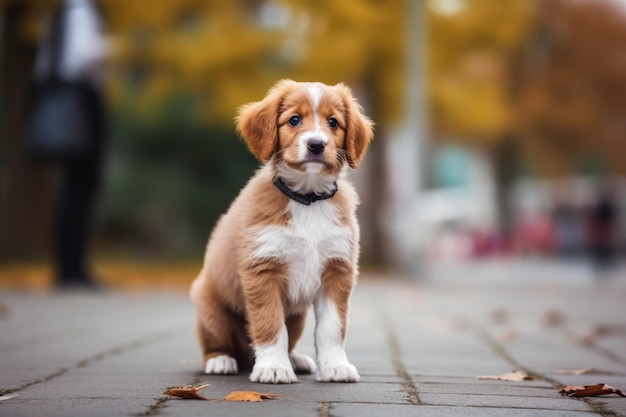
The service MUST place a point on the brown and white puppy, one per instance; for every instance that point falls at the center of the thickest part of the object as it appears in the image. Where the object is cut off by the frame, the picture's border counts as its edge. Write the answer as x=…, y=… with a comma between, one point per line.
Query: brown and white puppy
x=289, y=240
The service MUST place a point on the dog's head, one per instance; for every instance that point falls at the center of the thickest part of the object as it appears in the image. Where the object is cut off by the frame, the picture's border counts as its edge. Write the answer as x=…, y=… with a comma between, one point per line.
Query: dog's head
x=310, y=127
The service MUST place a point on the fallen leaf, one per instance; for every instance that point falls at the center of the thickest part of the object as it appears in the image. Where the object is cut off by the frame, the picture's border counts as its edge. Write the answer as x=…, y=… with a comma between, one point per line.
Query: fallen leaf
x=500, y=316
x=600, y=330
x=513, y=376
x=553, y=318
x=7, y=397
x=4, y=311
x=188, y=392
x=584, y=339
x=586, y=371
x=608, y=329
x=590, y=390
x=250, y=396
x=508, y=336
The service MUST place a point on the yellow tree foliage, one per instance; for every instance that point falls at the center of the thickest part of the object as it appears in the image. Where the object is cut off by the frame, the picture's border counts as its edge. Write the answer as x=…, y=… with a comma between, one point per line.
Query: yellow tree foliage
x=210, y=50
x=228, y=53
x=470, y=58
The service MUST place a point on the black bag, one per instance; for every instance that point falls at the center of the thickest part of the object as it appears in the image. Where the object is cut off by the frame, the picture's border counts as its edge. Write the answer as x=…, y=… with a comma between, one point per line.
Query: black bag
x=60, y=126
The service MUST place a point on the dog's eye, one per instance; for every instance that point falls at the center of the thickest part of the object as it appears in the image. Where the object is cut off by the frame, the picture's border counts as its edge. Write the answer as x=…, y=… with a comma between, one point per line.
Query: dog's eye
x=332, y=122
x=294, y=120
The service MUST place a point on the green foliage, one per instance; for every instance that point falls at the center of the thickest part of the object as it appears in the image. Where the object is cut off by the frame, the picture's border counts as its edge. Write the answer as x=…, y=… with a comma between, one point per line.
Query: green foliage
x=169, y=179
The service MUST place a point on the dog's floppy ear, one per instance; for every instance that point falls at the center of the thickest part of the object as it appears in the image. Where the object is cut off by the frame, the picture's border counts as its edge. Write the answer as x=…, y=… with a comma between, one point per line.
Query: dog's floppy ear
x=359, y=129
x=257, y=122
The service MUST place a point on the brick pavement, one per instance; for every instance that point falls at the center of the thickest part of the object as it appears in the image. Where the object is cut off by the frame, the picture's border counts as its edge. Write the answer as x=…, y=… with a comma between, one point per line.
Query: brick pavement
x=418, y=345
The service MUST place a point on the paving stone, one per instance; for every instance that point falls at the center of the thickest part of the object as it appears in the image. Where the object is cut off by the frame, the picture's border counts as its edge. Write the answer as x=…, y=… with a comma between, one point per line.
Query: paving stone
x=274, y=408
x=374, y=410
x=490, y=387
x=488, y=399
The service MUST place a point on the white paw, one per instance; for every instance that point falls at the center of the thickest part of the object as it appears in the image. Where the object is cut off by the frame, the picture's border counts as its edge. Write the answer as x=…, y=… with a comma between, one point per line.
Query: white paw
x=221, y=365
x=273, y=374
x=338, y=373
x=301, y=363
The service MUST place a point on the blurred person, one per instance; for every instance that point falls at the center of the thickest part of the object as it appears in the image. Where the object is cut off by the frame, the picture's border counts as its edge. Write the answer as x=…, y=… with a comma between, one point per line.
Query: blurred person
x=602, y=232
x=535, y=235
x=68, y=128
x=568, y=225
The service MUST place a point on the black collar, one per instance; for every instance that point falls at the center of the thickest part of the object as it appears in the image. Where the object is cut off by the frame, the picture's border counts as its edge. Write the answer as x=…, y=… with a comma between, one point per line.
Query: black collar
x=305, y=199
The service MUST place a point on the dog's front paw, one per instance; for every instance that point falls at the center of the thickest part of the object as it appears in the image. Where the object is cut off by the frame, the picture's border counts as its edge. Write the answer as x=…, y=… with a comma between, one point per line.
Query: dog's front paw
x=273, y=374
x=338, y=373
x=221, y=365
x=302, y=364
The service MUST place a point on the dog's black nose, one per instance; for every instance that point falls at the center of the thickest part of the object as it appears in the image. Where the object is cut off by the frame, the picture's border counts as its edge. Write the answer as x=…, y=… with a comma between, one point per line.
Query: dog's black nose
x=315, y=146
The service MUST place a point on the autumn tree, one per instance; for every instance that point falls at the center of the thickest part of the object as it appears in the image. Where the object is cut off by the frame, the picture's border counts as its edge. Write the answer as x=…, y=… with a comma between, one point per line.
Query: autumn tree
x=570, y=91
x=470, y=57
x=26, y=191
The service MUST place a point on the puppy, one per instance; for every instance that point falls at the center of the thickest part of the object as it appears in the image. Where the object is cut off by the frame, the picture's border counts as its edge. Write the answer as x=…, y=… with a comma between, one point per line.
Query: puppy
x=289, y=240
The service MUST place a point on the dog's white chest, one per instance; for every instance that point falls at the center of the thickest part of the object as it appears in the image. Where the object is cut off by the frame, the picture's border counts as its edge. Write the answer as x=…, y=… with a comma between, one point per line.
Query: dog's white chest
x=314, y=236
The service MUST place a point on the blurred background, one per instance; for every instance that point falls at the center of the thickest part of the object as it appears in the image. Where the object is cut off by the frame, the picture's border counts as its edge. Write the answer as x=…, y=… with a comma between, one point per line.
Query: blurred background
x=500, y=129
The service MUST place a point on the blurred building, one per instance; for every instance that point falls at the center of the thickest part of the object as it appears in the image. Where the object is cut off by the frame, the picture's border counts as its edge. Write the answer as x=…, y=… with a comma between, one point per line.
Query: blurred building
x=459, y=204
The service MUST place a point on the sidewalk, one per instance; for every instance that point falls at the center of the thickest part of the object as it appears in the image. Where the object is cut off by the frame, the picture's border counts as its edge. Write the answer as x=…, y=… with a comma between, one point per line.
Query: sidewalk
x=419, y=347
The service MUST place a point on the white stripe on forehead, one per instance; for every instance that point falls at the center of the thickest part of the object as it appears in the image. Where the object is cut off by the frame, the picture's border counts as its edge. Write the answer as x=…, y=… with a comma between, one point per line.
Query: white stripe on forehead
x=315, y=94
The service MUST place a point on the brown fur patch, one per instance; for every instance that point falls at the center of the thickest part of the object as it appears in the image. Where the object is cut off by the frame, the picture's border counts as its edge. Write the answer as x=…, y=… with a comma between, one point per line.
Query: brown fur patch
x=359, y=130
x=257, y=122
x=295, y=327
x=264, y=286
x=338, y=280
x=222, y=332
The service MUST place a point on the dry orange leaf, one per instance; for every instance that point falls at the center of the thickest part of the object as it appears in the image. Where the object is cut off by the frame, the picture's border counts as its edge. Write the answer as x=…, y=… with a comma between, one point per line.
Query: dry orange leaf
x=4, y=311
x=608, y=329
x=508, y=336
x=513, y=376
x=250, y=396
x=553, y=318
x=590, y=390
x=188, y=392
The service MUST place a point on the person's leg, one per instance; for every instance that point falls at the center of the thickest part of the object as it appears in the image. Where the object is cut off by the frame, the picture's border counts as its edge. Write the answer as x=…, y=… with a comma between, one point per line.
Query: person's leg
x=74, y=218
x=76, y=209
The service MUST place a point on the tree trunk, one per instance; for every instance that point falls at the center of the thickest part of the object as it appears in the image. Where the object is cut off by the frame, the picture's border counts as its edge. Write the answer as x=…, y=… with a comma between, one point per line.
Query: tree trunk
x=369, y=180
x=26, y=193
x=505, y=157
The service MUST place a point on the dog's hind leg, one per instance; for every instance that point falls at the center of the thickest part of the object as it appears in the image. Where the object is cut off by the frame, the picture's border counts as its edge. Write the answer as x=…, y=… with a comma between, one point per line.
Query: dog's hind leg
x=215, y=333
